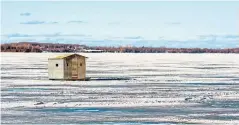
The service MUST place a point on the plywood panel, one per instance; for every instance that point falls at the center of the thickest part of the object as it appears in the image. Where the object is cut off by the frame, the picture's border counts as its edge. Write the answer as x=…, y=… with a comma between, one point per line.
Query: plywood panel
x=81, y=65
x=56, y=72
x=74, y=69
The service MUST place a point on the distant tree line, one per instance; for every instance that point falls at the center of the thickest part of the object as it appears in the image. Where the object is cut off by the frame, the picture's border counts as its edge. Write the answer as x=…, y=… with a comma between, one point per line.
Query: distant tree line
x=164, y=50
x=56, y=47
x=40, y=47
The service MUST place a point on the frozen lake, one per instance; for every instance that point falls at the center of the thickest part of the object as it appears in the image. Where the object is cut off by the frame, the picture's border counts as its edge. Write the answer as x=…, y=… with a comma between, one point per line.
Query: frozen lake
x=159, y=88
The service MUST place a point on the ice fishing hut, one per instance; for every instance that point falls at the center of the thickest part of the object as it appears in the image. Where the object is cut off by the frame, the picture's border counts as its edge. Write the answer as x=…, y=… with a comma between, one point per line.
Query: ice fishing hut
x=67, y=67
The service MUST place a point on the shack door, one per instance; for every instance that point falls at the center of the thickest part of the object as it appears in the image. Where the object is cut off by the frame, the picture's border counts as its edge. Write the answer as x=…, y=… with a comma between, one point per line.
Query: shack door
x=74, y=68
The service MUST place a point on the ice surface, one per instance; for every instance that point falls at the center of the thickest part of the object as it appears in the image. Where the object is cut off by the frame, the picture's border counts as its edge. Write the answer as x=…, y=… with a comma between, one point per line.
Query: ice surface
x=151, y=89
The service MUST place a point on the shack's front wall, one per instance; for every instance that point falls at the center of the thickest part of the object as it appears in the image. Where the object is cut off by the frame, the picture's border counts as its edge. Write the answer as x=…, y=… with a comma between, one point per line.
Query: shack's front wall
x=56, y=72
x=75, y=67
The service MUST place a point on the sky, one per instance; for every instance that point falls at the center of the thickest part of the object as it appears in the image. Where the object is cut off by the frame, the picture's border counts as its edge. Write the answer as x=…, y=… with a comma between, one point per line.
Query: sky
x=154, y=24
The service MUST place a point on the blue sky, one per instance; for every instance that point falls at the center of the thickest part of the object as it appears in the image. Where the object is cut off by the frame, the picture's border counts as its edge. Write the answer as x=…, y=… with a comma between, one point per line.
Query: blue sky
x=170, y=24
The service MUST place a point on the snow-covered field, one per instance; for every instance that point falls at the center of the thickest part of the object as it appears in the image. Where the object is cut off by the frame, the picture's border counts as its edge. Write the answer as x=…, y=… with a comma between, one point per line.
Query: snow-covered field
x=155, y=88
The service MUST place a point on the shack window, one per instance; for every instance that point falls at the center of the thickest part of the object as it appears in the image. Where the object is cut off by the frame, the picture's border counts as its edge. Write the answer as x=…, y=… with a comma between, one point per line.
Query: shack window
x=56, y=65
x=66, y=64
x=80, y=64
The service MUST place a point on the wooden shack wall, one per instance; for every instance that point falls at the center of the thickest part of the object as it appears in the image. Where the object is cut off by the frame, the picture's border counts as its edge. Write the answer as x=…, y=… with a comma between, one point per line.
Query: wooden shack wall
x=56, y=72
x=81, y=67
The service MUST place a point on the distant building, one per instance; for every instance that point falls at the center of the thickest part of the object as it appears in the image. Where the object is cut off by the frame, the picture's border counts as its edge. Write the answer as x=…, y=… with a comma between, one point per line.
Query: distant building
x=92, y=51
x=67, y=67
